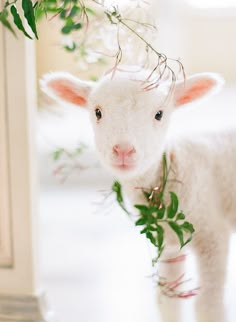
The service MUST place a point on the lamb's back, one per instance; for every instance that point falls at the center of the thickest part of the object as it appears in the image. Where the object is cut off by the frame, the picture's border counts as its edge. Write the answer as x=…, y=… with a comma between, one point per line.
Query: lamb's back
x=205, y=165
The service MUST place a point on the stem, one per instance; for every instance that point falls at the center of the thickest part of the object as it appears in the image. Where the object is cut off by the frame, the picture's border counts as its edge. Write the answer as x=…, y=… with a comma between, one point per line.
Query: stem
x=144, y=40
x=7, y=4
x=165, y=220
x=165, y=177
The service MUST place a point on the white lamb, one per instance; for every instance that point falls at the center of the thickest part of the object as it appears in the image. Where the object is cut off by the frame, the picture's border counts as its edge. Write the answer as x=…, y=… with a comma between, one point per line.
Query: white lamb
x=131, y=134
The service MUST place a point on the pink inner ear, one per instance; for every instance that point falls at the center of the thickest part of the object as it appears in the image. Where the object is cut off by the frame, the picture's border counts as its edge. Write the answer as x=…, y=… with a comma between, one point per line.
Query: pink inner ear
x=67, y=92
x=198, y=90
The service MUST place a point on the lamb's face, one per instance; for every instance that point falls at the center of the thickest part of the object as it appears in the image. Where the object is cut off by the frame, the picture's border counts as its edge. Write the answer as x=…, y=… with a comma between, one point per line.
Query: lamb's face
x=130, y=125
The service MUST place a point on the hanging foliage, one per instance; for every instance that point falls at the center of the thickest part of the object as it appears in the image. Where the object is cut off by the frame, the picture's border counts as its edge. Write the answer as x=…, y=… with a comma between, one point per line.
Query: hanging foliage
x=114, y=33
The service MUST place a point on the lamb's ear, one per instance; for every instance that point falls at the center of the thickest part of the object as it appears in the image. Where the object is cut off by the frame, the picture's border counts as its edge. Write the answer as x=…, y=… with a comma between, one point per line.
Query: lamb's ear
x=65, y=87
x=196, y=87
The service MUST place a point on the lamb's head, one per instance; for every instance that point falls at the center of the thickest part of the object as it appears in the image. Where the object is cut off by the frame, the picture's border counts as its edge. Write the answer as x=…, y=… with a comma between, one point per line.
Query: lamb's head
x=130, y=123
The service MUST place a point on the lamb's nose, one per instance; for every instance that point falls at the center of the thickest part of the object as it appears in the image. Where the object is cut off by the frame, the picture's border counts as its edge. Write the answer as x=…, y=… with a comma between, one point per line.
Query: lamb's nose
x=123, y=150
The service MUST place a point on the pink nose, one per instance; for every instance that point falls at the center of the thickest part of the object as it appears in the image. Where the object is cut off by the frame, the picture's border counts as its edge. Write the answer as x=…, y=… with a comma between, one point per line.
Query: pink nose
x=123, y=150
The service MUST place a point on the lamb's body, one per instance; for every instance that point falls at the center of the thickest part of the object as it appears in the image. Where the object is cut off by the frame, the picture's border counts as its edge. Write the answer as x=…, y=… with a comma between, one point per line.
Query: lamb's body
x=131, y=133
x=205, y=184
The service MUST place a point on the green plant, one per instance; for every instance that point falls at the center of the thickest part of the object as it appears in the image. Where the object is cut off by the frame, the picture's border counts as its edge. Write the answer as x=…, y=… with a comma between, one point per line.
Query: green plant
x=155, y=214
x=77, y=17
x=28, y=9
x=71, y=12
x=68, y=161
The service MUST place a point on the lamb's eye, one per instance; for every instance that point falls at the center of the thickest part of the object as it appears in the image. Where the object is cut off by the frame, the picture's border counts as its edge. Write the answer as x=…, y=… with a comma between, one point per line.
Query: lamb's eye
x=98, y=113
x=159, y=115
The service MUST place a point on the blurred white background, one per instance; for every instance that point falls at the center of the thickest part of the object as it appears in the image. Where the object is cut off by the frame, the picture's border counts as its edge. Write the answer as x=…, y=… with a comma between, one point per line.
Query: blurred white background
x=94, y=262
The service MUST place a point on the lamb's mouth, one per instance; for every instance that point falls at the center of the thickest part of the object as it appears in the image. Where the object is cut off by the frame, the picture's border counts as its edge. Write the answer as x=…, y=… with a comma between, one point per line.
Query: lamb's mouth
x=123, y=166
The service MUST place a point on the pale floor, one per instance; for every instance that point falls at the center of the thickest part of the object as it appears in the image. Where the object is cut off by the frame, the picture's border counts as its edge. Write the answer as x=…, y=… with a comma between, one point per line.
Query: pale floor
x=95, y=265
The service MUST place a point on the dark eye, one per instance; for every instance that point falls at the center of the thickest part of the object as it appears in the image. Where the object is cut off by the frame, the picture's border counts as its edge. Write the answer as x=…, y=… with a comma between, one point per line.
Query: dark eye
x=98, y=113
x=159, y=115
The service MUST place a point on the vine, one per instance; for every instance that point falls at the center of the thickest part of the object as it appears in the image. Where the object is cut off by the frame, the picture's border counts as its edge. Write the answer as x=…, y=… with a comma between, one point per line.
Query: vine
x=156, y=213
x=153, y=216
x=76, y=17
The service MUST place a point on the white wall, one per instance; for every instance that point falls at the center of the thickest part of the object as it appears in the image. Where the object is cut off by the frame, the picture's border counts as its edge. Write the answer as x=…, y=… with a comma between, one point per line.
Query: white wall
x=203, y=38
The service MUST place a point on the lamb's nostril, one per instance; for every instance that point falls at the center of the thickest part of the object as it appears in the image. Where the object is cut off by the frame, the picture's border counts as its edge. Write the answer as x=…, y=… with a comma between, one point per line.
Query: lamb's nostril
x=131, y=151
x=123, y=149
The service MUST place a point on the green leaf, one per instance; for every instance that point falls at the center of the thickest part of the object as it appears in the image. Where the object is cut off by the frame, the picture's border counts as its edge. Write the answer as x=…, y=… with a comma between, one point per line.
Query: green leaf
x=153, y=209
x=93, y=78
x=152, y=228
x=75, y=9
x=18, y=21
x=81, y=146
x=179, y=229
x=144, y=230
x=160, y=236
x=36, y=4
x=66, y=29
x=151, y=238
x=90, y=11
x=161, y=212
x=142, y=208
x=147, y=195
x=140, y=222
x=63, y=13
x=160, y=250
x=187, y=241
x=28, y=9
x=70, y=48
x=42, y=8
x=180, y=216
x=70, y=26
x=176, y=228
x=5, y=22
x=38, y=11
x=188, y=227
x=116, y=187
x=77, y=26
x=173, y=206
x=151, y=218
x=57, y=154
